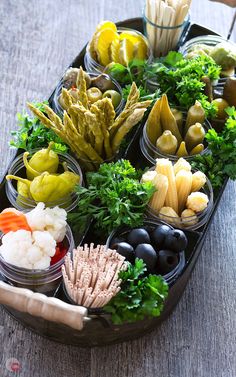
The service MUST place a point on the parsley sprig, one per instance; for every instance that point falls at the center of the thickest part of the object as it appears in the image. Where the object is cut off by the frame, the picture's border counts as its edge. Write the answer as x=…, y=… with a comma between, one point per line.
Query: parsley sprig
x=221, y=162
x=140, y=296
x=32, y=134
x=113, y=197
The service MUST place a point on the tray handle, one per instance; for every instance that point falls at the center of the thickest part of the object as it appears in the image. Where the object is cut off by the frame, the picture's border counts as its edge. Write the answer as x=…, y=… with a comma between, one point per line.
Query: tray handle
x=39, y=305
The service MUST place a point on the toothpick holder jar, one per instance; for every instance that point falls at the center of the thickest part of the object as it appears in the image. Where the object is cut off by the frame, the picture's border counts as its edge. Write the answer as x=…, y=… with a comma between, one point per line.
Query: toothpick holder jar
x=164, y=34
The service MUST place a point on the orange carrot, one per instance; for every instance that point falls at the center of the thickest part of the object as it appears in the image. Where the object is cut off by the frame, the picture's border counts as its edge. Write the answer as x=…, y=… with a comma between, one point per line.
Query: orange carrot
x=12, y=220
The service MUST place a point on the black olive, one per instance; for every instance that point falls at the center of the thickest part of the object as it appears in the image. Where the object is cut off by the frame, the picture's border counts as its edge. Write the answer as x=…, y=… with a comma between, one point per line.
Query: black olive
x=167, y=261
x=176, y=241
x=114, y=242
x=137, y=236
x=158, y=236
x=146, y=252
x=125, y=249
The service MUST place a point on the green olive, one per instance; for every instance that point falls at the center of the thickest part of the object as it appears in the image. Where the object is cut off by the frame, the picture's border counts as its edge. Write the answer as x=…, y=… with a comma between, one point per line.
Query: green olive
x=94, y=94
x=115, y=97
x=221, y=105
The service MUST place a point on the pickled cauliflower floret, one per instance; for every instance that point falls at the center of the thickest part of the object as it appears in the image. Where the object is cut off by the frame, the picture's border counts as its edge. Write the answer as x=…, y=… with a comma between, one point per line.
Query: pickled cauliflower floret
x=197, y=201
x=25, y=249
x=52, y=220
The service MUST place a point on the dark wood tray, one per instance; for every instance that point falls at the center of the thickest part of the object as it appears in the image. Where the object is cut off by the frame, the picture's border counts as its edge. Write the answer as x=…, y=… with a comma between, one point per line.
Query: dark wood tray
x=100, y=330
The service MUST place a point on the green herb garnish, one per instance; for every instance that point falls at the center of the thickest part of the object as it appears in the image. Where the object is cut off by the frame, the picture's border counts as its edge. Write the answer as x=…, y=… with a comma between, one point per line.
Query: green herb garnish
x=180, y=78
x=221, y=163
x=140, y=296
x=114, y=197
x=33, y=134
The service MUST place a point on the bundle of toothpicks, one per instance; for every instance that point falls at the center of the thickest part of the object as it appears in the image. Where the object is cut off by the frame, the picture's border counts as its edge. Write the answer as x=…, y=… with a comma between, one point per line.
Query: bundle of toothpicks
x=167, y=15
x=91, y=277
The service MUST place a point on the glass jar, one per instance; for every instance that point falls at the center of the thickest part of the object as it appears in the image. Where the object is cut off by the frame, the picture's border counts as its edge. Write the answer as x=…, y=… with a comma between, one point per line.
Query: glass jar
x=41, y=281
x=151, y=224
x=92, y=65
x=208, y=40
x=163, y=38
x=59, y=110
x=191, y=222
x=151, y=152
x=22, y=203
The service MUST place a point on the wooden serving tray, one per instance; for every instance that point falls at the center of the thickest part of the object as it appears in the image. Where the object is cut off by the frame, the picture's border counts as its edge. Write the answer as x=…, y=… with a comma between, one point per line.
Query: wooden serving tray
x=99, y=330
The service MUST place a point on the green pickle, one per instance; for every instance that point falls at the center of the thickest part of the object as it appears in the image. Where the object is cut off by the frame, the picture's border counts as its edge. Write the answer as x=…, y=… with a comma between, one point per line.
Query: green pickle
x=196, y=114
x=167, y=143
x=194, y=136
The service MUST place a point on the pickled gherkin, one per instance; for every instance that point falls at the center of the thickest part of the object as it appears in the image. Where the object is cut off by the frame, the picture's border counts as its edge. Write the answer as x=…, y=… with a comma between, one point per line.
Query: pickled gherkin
x=194, y=136
x=182, y=151
x=167, y=143
x=196, y=114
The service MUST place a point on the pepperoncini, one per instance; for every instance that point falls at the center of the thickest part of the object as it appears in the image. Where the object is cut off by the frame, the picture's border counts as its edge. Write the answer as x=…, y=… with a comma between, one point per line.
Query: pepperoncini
x=41, y=161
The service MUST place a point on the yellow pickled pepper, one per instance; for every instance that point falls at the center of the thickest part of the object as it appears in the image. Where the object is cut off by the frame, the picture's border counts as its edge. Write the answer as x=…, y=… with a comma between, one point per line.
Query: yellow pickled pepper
x=196, y=114
x=43, y=160
x=194, y=136
x=154, y=123
x=168, y=121
x=167, y=143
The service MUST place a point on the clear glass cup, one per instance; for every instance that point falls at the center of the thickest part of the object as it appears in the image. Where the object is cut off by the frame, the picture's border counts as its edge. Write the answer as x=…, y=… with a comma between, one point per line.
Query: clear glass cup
x=92, y=65
x=163, y=38
x=59, y=110
x=190, y=222
x=42, y=281
x=151, y=152
x=22, y=203
x=151, y=224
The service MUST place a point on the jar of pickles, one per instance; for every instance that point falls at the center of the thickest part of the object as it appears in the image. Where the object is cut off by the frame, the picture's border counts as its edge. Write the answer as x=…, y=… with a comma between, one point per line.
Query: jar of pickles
x=54, y=184
x=99, y=86
x=111, y=45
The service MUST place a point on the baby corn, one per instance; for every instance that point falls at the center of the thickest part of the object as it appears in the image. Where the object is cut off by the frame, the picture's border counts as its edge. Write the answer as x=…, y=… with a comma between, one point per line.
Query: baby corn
x=181, y=164
x=157, y=201
x=183, y=184
x=199, y=180
x=165, y=167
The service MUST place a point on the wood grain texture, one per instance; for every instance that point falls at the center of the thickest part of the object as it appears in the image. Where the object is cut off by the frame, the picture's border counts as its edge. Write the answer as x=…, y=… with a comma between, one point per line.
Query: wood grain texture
x=38, y=41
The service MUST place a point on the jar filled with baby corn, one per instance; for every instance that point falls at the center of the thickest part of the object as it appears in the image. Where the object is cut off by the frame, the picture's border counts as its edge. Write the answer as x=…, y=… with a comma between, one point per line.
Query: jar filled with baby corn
x=184, y=197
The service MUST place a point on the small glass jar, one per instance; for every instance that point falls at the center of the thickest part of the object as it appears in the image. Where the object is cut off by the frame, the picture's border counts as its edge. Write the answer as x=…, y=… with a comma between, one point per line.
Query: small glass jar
x=163, y=38
x=41, y=281
x=151, y=224
x=190, y=222
x=151, y=152
x=59, y=110
x=92, y=65
x=208, y=40
x=22, y=203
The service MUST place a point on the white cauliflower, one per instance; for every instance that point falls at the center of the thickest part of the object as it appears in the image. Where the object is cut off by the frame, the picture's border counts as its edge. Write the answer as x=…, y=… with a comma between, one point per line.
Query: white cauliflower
x=28, y=250
x=52, y=220
x=197, y=201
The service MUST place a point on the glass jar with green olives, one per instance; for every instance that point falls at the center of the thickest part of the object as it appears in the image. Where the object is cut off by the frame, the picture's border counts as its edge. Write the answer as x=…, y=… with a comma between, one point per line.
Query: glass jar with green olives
x=98, y=86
